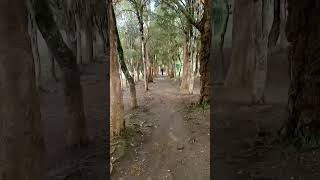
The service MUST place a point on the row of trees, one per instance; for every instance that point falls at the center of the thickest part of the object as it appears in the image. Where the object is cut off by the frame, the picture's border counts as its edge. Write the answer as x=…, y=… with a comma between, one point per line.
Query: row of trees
x=22, y=140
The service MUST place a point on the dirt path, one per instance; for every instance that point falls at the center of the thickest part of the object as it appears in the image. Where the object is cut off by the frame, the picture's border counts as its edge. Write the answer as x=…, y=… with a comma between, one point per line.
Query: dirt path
x=169, y=149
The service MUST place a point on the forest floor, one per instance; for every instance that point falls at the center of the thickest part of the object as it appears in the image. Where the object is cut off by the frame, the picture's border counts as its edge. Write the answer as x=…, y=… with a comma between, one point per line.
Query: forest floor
x=168, y=137
x=244, y=136
x=174, y=138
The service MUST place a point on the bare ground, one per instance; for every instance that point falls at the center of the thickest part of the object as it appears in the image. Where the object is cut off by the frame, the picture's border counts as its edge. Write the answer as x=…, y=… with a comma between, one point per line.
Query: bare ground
x=171, y=139
x=174, y=139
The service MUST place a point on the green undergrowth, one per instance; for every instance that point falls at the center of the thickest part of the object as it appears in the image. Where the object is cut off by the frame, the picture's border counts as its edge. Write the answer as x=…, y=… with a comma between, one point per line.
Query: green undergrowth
x=200, y=107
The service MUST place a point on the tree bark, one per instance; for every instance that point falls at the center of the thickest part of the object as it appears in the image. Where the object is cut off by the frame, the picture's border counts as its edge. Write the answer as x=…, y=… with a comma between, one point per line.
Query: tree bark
x=129, y=78
x=263, y=13
x=223, y=34
x=33, y=30
x=275, y=30
x=283, y=20
x=240, y=73
x=88, y=46
x=187, y=68
x=76, y=121
x=303, y=32
x=21, y=136
x=205, y=64
x=117, y=123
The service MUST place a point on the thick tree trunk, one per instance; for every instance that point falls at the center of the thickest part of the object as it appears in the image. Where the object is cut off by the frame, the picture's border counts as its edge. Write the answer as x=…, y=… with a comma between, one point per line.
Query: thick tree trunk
x=21, y=137
x=117, y=123
x=303, y=32
x=76, y=131
x=130, y=80
x=205, y=64
x=263, y=13
x=240, y=73
x=187, y=68
x=33, y=30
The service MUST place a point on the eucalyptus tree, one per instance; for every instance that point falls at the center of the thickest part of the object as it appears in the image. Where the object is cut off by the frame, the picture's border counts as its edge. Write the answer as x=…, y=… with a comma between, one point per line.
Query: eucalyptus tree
x=117, y=123
x=139, y=8
x=75, y=117
x=250, y=47
x=21, y=134
x=124, y=68
x=166, y=41
x=203, y=25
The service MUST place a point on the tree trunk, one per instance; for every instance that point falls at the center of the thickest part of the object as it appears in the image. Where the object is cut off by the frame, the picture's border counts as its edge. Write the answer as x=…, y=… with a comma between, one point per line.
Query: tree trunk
x=88, y=46
x=117, y=123
x=21, y=136
x=143, y=53
x=33, y=30
x=275, y=30
x=205, y=63
x=223, y=34
x=78, y=39
x=75, y=117
x=283, y=20
x=130, y=80
x=187, y=68
x=240, y=73
x=303, y=32
x=263, y=13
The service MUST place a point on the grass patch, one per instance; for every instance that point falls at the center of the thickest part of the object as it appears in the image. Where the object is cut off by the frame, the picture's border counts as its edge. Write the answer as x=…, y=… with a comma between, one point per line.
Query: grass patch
x=200, y=107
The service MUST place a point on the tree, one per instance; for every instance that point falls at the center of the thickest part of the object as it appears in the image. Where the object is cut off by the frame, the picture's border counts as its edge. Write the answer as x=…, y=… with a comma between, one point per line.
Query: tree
x=117, y=123
x=132, y=86
x=21, y=136
x=303, y=33
x=242, y=63
x=204, y=27
x=33, y=31
x=275, y=30
x=250, y=47
x=223, y=33
x=139, y=7
x=263, y=13
x=76, y=121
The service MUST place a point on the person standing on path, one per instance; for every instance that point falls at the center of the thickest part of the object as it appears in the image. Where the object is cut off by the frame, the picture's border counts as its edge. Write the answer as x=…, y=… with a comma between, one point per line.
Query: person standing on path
x=162, y=71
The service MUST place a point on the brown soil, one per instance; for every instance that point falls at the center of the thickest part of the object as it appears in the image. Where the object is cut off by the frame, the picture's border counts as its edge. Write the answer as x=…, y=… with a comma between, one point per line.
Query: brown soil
x=174, y=139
